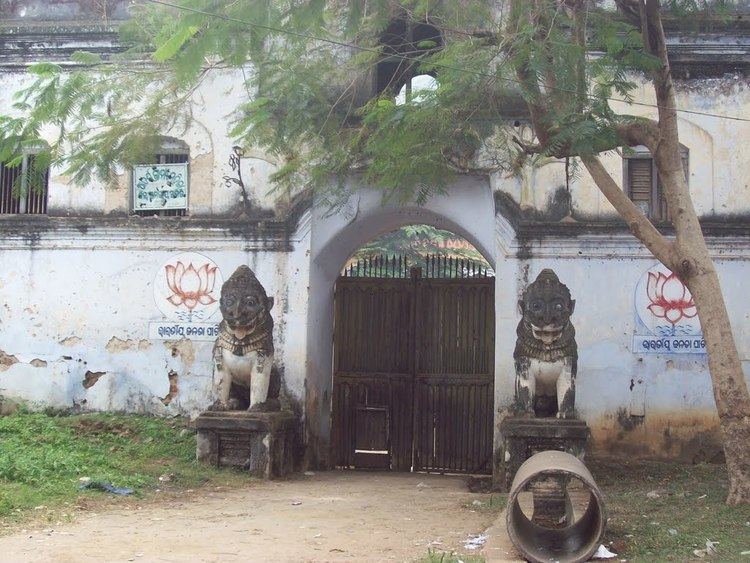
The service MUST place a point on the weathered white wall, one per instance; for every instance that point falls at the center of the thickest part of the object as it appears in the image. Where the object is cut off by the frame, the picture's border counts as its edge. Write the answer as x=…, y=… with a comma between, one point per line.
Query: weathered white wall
x=672, y=391
x=719, y=157
x=210, y=148
x=79, y=300
x=74, y=303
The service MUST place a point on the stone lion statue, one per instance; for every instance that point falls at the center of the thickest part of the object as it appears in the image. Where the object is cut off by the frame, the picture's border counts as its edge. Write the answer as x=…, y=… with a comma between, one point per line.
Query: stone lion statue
x=243, y=352
x=546, y=354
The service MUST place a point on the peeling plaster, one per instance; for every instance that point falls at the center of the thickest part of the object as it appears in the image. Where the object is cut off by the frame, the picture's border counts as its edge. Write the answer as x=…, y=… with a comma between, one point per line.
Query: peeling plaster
x=91, y=377
x=71, y=341
x=37, y=363
x=116, y=345
x=173, y=387
x=692, y=437
x=201, y=183
x=183, y=349
x=6, y=360
x=117, y=194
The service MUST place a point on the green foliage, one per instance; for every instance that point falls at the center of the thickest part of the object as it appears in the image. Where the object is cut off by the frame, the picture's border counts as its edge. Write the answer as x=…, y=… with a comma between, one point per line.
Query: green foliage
x=415, y=241
x=171, y=46
x=306, y=66
x=42, y=457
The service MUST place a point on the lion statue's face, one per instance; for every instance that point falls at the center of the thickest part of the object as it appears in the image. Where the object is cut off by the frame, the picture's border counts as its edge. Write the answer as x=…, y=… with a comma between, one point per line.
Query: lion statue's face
x=546, y=306
x=244, y=303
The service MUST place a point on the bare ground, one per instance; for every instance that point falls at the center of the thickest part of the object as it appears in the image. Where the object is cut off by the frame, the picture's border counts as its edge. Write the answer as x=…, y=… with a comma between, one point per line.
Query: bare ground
x=333, y=516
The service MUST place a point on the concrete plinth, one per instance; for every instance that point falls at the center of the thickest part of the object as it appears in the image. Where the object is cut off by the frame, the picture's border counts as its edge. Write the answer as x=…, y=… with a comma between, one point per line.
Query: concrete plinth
x=261, y=443
x=524, y=437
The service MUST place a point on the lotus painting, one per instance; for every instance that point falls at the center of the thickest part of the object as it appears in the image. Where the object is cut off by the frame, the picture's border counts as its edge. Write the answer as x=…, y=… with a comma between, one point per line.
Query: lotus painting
x=666, y=319
x=186, y=287
x=190, y=285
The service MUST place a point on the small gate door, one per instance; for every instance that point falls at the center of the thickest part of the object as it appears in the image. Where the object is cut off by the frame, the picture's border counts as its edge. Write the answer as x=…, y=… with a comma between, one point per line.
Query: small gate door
x=413, y=367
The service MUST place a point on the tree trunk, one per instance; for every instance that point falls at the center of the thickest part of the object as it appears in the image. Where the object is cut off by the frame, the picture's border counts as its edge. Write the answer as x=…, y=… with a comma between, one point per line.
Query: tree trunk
x=688, y=254
x=730, y=388
x=694, y=266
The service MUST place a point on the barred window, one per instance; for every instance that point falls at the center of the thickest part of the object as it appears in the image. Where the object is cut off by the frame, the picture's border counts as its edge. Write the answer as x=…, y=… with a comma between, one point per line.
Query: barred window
x=172, y=151
x=24, y=188
x=643, y=184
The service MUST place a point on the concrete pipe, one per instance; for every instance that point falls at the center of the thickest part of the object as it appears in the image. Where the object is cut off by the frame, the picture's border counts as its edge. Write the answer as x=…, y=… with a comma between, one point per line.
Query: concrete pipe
x=573, y=540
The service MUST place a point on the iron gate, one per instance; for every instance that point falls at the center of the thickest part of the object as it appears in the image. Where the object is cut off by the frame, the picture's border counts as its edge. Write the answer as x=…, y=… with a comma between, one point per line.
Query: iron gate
x=413, y=383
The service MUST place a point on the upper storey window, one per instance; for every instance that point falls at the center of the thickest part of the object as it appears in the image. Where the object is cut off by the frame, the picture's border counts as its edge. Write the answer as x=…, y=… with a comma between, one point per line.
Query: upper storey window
x=404, y=42
x=643, y=184
x=415, y=88
x=24, y=188
x=161, y=185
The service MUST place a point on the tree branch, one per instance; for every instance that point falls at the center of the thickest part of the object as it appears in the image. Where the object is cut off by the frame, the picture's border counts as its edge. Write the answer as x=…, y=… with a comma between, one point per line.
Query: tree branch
x=639, y=131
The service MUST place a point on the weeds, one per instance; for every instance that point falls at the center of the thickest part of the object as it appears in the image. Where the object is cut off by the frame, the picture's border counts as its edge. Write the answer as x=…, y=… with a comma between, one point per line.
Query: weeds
x=436, y=556
x=43, y=457
x=661, y=511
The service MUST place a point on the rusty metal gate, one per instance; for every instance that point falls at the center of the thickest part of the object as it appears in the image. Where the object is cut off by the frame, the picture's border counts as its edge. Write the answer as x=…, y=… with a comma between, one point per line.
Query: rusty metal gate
x=413, y=366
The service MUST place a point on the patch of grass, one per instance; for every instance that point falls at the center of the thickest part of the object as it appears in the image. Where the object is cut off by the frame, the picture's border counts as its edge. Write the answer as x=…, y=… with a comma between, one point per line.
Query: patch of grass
x=492, y=503
x=685, y=508
x=437, y=556
x=43, y=457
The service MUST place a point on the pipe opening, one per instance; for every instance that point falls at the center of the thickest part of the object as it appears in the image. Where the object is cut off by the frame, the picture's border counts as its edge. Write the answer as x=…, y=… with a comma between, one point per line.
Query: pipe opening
x=555, y=510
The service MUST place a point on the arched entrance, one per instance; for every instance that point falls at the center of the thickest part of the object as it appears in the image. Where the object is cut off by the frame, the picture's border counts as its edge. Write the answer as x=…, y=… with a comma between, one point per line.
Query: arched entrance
x=413, y=375
x=468, y=210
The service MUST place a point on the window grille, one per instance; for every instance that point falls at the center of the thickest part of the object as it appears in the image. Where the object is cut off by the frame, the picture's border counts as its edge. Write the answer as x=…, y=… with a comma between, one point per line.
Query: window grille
x=23, y=188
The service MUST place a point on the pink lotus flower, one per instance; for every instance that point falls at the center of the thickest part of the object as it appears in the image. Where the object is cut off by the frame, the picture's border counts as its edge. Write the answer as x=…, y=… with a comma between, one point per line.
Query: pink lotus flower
x=669, y=297
x=190, y=286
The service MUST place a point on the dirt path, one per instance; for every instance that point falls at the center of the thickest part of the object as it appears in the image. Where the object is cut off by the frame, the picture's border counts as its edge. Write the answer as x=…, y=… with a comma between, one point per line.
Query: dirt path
x=336, y=516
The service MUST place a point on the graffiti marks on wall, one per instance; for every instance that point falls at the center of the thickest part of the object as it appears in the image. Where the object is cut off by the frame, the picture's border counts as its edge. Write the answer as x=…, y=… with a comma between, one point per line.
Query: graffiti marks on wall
x=666, y=319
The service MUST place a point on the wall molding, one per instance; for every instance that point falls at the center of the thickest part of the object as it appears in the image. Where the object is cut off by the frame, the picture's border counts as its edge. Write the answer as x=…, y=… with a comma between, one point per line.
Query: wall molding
x=515, y=236
x=126, y=233
x=526, y=242
x=25, y=44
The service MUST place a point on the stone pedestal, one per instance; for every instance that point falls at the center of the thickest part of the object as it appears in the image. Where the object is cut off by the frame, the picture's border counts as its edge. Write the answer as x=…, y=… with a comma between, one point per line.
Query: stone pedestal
x=524, y=437
x=261, y=443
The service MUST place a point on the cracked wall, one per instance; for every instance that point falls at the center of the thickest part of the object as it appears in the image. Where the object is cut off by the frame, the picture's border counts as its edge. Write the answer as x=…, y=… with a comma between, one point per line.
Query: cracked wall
x=644, y=405
x=76, y=300
x=75, y=322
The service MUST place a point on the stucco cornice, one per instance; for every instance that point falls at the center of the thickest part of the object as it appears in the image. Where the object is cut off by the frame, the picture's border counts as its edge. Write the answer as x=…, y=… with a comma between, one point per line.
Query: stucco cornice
x=127, y=233
x=22, y=45
x=574, y=240
x=527, y=233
